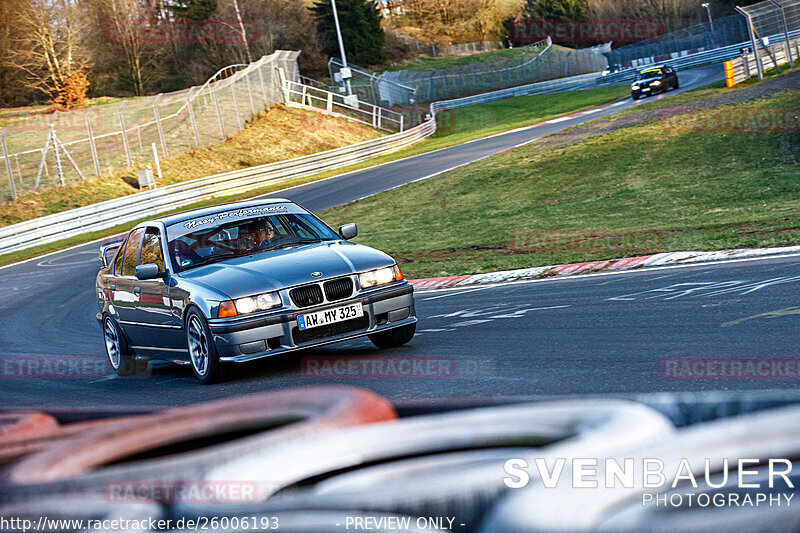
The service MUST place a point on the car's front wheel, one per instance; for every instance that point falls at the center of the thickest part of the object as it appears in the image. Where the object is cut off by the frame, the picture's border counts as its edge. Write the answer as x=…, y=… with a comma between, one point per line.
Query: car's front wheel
x=117, y=350
x=634, y=97
x=202, y=351
x=394, y=337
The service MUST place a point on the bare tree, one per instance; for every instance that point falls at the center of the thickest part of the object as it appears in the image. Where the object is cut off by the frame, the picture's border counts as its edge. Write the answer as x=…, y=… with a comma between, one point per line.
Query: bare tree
x=48, y=46
x=125, y=25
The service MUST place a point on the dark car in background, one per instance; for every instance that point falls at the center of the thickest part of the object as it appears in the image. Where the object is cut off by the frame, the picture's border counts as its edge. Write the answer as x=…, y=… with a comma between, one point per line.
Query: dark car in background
x=654, y=80
x=242, y=281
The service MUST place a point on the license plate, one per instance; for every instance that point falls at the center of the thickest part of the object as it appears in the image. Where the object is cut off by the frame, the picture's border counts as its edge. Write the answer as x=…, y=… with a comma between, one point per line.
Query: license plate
x=645, y=90
x=330, y=316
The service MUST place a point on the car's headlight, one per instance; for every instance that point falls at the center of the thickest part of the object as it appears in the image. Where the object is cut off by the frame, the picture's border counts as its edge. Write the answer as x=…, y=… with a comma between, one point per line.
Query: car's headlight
x=656, y=83
x=249, y=304
x=381, y=276
x=634, y=87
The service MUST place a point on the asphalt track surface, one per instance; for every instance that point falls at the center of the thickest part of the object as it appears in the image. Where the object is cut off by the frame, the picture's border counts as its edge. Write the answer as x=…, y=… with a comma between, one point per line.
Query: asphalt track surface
x=608, y=333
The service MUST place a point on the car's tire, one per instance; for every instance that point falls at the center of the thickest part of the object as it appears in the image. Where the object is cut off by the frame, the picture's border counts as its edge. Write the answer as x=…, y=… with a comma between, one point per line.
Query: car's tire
x=634, y=97
x=394, y=337
x=677, y=85
x=203, y=354
x=119, y=355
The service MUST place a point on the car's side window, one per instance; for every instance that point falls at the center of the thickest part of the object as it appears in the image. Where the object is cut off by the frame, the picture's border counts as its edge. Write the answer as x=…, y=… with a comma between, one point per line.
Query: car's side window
x=118, y=259
x=131, y=252
x=151, y=249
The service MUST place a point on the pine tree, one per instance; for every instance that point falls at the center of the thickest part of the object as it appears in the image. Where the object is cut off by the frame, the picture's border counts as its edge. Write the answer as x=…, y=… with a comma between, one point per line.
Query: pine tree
x=362, y=34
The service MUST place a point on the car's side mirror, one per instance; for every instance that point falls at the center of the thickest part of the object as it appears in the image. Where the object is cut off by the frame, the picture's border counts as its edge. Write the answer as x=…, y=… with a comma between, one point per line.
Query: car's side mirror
x=148, y=271
x=348, y=231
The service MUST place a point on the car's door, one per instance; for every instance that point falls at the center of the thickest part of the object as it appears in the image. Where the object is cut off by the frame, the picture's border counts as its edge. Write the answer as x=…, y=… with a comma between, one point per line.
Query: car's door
x=156, y=325
x=122, y=295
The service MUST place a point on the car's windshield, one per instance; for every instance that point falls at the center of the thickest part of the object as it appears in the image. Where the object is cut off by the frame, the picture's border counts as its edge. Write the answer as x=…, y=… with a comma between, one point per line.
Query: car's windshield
x=649, y=74
x=234, y=233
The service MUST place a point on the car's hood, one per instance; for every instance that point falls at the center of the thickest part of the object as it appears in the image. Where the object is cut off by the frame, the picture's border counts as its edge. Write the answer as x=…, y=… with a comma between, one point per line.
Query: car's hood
x=648, y=80
x=277, y=269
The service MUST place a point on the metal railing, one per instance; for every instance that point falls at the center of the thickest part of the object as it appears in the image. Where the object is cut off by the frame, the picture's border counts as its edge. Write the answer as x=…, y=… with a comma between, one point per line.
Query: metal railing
x=65, y=147
x=304, y=96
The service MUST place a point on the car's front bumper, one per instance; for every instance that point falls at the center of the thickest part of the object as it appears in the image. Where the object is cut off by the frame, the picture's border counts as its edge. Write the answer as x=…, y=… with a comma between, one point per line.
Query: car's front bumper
x=245, y=340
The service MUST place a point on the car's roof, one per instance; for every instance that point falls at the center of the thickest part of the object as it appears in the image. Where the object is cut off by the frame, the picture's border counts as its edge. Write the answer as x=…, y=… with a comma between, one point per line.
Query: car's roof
x=204, y=211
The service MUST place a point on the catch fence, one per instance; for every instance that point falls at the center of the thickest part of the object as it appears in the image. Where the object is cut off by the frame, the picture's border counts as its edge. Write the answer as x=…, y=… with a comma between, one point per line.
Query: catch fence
x=65, y=147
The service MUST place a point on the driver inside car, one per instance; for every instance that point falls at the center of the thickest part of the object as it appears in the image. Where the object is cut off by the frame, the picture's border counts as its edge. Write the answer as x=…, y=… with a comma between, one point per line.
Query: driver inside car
x=264, y=233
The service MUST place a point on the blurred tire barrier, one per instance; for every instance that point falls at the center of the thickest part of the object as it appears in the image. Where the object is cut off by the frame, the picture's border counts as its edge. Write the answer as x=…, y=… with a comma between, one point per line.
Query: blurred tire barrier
x=71, y=508
x=561, y=428
x=16, y=425
x=184, y=443
x=774, y=433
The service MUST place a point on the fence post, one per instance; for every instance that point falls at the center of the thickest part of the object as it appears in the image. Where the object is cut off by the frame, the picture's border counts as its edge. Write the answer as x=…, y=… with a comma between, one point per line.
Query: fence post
x=330, y=102
x=263, y=87
x=158, y=125
x=43, y=162
x=753, y=42
x=59, y=168
x=402, y=120
x=8, y=163
x=787, y=43
x=250, y=92
x=236, y=103
x=219, y=116
x=191, y=117
x=92, y=146
x=124, y=134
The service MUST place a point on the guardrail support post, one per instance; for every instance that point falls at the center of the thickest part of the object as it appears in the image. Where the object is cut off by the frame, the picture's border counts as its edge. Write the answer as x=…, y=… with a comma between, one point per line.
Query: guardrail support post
x=92, y=145
x=8, y=163
x=124, y=134
x=158, y=125
x=330, y=102
x=191, y=117
x=219, y=116
x=402, y=119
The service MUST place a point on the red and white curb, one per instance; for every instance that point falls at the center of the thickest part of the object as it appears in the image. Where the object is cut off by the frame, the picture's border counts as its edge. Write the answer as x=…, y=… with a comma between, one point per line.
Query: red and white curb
x=628, y=263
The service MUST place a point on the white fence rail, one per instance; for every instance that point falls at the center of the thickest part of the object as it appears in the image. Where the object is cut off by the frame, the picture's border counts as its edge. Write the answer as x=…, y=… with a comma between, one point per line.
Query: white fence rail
x=304, y=96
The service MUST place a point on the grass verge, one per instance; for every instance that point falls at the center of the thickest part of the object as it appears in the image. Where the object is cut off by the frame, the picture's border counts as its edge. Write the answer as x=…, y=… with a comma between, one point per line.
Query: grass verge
x=639, y=190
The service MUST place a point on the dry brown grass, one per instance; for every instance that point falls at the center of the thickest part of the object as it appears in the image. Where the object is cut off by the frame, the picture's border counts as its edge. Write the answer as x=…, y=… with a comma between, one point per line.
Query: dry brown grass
x=278, y=134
